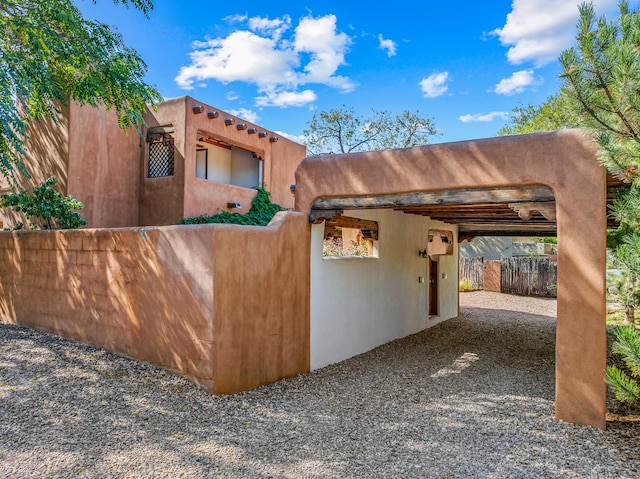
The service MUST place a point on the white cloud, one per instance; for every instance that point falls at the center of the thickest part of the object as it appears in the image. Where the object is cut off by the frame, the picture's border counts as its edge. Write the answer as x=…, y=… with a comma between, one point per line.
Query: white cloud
x=232, y=95
x=517, y=83
x=237, y=18
x=504, y=115
x=297, y=138
x=242, y=56
x=318, y=37
x=274, y=28
x=539, y=30
x=246, y=114
x=276, y=65
x=388, y=45
x=286, y=98
x=434, y=85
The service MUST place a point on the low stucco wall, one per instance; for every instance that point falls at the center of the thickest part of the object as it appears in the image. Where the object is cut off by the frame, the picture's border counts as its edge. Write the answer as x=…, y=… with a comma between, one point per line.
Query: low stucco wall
x=163, y=295
x=358, y=304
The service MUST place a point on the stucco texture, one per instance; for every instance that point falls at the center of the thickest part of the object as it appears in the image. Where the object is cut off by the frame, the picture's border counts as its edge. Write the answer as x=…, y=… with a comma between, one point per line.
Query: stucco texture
x=183, y=297
x=566, y=162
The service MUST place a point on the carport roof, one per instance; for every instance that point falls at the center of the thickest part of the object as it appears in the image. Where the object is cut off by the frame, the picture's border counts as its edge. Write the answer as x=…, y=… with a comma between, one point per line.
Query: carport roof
x=480, y=210
x=511, y=211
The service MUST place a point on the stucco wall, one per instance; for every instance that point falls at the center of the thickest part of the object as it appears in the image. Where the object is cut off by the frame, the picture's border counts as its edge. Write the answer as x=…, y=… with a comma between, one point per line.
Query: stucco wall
x=360, y=303
x=104, y=167
x=168, y=295
x=565, y=161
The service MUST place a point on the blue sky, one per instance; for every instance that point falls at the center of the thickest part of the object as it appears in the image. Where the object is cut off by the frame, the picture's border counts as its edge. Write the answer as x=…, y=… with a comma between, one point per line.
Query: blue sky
x=466, y=64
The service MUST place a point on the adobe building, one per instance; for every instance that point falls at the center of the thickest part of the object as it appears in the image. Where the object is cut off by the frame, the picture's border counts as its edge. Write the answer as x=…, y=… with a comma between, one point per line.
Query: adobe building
x=234, y=307
x=192, y=159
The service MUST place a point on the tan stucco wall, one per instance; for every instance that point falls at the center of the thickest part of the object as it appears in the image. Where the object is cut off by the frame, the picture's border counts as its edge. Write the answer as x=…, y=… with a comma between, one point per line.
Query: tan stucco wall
x=566, y=162
x=92, y=159
x=104, y=167
x=261, y=302
x=179, y=296
x=162, y=199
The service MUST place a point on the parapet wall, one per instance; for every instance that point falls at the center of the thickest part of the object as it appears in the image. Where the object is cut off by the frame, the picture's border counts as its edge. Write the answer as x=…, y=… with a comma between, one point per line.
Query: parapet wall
x=190, y=298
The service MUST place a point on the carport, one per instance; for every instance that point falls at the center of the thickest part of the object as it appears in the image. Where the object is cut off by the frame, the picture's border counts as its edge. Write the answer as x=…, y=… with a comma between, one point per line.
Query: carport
x=545, y=184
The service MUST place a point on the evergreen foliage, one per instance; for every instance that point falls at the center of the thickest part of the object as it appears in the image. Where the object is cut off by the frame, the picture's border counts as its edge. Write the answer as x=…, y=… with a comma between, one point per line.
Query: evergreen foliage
x=261, y=212
x=602, y=78
x=47, y=206
x=625, y=382
x=49, y=54
x=602, y=85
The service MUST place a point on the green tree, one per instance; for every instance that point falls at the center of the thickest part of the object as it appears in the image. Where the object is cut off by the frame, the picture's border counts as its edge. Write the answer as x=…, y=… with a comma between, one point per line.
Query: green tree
x=46, y=206
x=342, y=130
x=49, y=55
x=625, y=379
x=554, y=114
x=602, y=78
x=602, y=82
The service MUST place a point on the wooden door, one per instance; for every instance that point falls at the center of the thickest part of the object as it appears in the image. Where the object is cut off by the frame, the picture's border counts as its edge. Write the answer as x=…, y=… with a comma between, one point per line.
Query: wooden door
x=433, y=287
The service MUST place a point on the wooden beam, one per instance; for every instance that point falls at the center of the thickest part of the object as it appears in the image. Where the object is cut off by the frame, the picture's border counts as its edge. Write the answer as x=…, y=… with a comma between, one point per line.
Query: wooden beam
x=350, y=222
x=421, y=198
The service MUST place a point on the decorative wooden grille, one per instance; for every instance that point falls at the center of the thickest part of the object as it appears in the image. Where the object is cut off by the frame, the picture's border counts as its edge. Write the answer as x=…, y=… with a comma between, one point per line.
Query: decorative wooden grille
x=160, y=158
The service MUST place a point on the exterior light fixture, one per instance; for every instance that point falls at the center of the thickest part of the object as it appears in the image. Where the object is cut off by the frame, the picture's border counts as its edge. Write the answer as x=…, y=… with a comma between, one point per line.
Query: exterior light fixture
x=241, y=126
x=262, y=134
x=213, y=114
x=273, y=139
x=229, y=121
x=251, y=131
x=234, y=205
x=198, y=109
x=423, y=253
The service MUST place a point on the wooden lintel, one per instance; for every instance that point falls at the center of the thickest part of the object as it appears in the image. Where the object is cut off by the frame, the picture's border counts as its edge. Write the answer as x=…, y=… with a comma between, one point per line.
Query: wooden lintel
x=421, y=198
x=350, y=222
x=318, y=216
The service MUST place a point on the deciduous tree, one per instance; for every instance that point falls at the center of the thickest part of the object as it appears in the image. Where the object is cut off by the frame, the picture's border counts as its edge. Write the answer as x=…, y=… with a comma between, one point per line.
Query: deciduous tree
x=554, y=114
x=342, y=130
x=50, y=54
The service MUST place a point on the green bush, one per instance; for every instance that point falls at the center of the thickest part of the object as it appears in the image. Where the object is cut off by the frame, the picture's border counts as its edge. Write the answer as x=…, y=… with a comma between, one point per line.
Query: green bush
x=261, y=212
x=625, y=380
x=46, y=206
x=466, y=284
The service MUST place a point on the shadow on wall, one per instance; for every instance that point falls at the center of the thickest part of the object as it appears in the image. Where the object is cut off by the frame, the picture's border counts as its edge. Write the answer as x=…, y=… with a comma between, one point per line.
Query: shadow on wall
x=149, y=293
x=145, y=293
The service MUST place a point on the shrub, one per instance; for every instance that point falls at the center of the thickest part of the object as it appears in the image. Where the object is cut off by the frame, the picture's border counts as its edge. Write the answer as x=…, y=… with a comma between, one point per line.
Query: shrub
x=47, y=206
x=466, y=284
x=261, y=212
x=625, y=381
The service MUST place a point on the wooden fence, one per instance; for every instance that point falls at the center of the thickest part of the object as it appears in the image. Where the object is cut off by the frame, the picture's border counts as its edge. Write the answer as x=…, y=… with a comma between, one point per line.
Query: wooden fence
x=472, y=269
x=525, y=276
x=529, y=276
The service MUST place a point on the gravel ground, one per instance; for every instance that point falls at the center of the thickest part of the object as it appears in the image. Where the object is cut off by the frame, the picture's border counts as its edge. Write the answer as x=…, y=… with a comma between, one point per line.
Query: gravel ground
x=472, y=397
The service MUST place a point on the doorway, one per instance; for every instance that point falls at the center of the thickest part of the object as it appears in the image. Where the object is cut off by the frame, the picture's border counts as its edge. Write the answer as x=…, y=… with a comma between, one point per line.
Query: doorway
x=433, y=287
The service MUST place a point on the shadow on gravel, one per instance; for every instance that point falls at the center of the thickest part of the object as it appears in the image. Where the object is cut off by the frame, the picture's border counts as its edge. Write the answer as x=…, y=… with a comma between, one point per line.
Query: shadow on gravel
x=471, y=397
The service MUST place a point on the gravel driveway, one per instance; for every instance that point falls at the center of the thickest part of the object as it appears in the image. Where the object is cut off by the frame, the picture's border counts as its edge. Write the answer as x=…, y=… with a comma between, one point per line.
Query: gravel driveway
x=472, y=397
